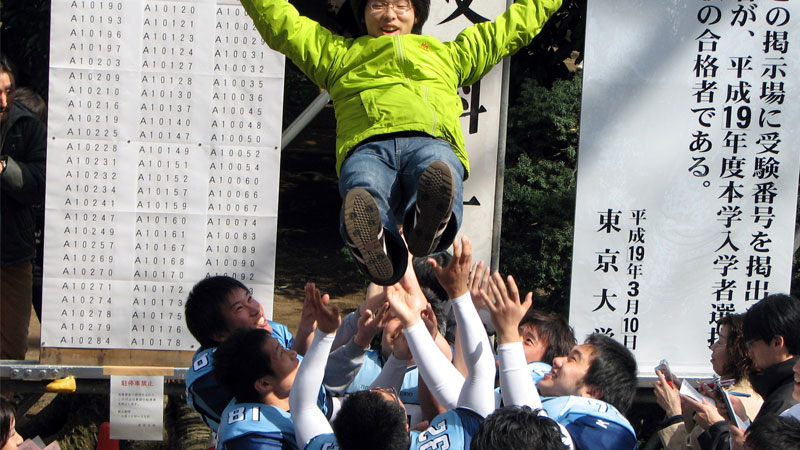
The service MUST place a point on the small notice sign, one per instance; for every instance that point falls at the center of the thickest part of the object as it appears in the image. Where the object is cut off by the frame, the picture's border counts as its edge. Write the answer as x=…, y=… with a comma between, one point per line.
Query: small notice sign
x=137, y=407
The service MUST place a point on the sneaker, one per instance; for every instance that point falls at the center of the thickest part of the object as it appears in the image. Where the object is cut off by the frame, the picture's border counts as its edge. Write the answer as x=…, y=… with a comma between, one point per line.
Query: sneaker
x=435, y=194
x=362, y=223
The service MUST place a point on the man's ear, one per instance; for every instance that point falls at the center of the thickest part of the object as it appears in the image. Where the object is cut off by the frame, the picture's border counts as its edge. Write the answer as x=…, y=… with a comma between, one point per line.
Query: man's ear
x=220, y=336
x=593, y=392
x=262, y=386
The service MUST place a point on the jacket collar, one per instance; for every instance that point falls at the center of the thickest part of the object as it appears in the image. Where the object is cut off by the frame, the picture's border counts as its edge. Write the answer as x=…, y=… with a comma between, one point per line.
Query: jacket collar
x=766, y=381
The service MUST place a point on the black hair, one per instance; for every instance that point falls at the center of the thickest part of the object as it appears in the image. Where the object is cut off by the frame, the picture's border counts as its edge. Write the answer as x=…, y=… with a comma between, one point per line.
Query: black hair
x=425, y=275
x=204, y=308
x=368, y=421
x=7, y=66
x=553, y=328
x=613, y=371
x=775, y=315
x=33, y=101
x=738, y=364
x=241, y=360
x=421, y=10
x=6, y=415
x=771, y=432
x=517, y=428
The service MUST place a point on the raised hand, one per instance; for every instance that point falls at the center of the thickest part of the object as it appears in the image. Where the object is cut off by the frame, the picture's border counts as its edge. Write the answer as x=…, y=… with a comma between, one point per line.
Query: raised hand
x=478, y=284
x=405, y=305
x=507, y=309
x=326, y=315
x=667, y=397
x=369, y=323
x=454, y=277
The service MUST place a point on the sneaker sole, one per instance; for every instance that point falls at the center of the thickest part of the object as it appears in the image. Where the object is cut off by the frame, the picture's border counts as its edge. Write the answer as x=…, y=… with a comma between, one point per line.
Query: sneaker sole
x=362, y=222
x=435, y=193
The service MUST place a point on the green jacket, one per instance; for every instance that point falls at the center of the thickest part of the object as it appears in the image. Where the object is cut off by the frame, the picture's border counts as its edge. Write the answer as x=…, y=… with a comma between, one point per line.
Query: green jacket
x=396, y=83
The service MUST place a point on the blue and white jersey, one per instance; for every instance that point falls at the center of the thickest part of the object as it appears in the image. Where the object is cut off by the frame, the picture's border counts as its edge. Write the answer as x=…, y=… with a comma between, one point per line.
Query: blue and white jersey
x=539, y=370
x=203, y=394
x=593, y=424
x=255, y=426
x=371, y=368
x=452, y=429
x=449, y=430
x=282, y=334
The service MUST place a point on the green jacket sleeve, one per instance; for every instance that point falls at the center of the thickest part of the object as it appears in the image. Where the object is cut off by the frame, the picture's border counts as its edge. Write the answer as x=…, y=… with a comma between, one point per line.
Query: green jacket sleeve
x=308, y=44
x=480, y=47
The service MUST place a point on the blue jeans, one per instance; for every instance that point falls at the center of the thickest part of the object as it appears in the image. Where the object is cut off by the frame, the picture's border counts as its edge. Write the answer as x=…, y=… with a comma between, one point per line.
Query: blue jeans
x=389, y=170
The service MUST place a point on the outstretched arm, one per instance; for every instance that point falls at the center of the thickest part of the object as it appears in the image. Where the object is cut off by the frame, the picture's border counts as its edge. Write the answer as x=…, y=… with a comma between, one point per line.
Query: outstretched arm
x=345, y=362
x=477, y=391
x=307, y=325
x=308, y=44
x=309, y=421
x=507, y=310
x=406, y=300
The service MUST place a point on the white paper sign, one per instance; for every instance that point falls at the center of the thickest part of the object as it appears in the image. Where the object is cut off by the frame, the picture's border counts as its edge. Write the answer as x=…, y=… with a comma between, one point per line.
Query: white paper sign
x=688, y=169
x=163, y=165
x=137, y=407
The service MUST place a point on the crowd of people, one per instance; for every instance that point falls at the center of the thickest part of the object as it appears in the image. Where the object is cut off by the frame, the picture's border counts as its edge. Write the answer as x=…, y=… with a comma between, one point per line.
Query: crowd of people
x=412, y=369
x=413, y=366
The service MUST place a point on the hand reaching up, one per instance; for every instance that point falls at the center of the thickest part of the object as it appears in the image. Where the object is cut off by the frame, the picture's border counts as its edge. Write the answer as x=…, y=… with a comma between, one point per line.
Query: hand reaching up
x=478, y=284
x=454, y=277
x=369, y=323
x=326, y=315
x=507, y=309
x=405, y=305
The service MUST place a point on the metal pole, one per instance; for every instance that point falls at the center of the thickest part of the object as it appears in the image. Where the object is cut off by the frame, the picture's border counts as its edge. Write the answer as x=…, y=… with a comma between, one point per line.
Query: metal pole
x=501, y=167
x=304, y=118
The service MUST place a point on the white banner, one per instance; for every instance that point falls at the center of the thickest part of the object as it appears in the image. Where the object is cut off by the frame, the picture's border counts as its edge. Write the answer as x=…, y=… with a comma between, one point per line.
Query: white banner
x=480, y=120
x=163, y=165
x=688, y=171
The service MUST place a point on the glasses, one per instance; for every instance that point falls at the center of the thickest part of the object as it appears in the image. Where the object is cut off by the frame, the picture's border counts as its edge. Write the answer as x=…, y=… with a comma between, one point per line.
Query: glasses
x=387, y=390
x=399, y=8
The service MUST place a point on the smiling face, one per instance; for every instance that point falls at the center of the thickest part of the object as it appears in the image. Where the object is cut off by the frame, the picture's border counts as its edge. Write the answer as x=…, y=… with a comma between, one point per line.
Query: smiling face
x=719, y=352
x=242, y=312
x=568, y=373
x=384, y=17
x=284, y=365
x=796, y=391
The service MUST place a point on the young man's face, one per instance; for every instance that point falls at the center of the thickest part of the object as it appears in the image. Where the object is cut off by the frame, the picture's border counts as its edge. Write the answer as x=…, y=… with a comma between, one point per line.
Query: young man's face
x=568, y=373
x=284, y=364
x=764, y=354
x=796, y=391
x=388, y=17
x=6, y=95
x=242, y=312
x=534, y=345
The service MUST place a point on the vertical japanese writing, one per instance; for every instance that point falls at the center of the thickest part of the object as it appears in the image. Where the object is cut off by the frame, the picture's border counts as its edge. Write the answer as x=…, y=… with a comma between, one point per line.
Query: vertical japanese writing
x=625, y=232
x=746, y=138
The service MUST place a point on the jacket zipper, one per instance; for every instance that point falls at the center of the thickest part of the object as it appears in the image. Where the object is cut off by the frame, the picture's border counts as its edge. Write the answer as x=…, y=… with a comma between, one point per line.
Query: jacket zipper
x=402, y=57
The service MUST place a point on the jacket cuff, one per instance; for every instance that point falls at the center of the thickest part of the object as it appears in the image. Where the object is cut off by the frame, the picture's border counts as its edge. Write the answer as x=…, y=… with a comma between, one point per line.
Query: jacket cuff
x=669, y=421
